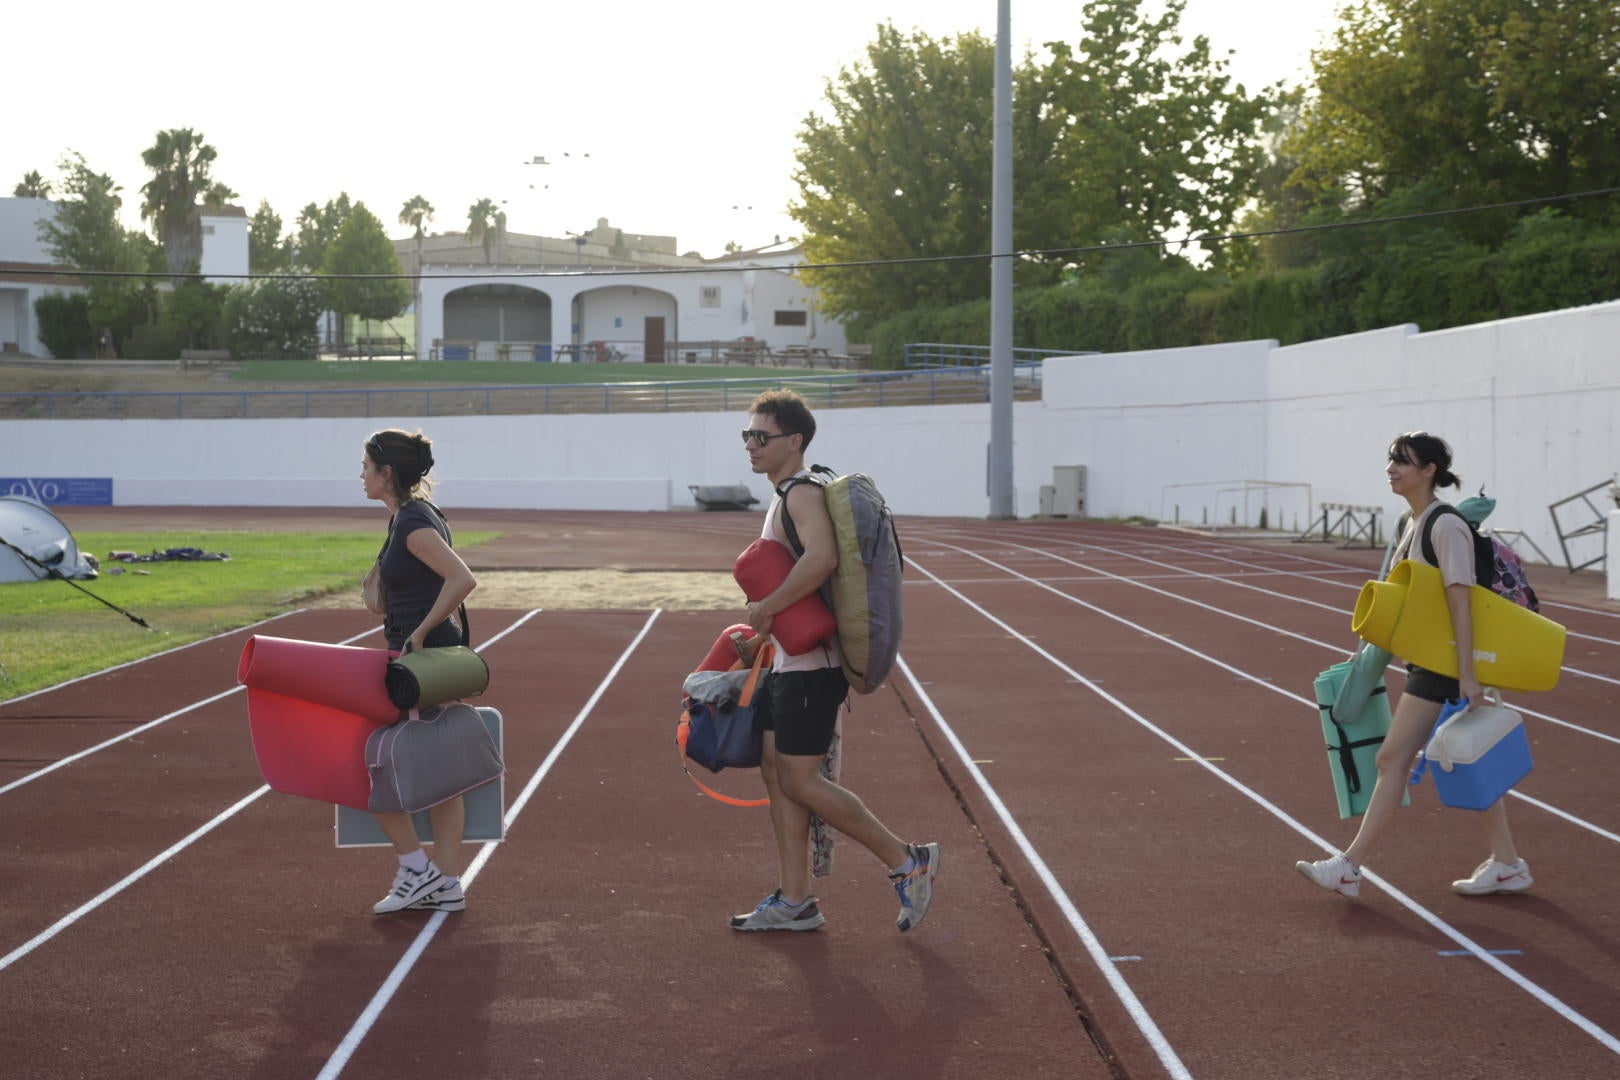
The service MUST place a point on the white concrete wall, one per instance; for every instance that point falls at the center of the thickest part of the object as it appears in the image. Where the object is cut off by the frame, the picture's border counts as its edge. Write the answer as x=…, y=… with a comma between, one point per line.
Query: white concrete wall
x=20, y=243
x=19, y=230
x=1531, y=406
x=225, y=249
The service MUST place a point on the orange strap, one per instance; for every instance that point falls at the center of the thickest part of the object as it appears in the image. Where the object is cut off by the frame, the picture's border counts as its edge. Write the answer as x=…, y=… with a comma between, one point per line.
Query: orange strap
x=684, y=729
x=681, y=732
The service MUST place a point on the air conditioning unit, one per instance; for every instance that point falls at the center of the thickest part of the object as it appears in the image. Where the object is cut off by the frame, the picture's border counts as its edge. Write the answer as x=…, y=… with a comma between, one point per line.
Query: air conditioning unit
x=1068, y=491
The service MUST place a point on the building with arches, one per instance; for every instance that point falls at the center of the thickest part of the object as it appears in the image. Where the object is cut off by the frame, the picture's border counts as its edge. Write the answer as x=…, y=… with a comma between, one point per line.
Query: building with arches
x=606, y=294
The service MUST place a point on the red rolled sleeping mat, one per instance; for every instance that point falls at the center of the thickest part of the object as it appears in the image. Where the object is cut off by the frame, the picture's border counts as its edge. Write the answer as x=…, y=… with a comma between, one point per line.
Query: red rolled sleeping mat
x=310, y=708
x=760, y=570
x=723, y=654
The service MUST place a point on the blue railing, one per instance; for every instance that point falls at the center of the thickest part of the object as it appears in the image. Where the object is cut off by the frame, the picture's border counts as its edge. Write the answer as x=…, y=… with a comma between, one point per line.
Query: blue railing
x=932, y=386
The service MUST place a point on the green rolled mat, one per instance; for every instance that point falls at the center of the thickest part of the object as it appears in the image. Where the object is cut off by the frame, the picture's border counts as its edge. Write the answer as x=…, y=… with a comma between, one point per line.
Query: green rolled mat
x=426, y=677
x=1353, y=746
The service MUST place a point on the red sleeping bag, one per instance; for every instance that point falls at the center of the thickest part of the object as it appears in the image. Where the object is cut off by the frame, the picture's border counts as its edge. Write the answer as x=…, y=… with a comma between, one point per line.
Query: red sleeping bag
x=311, y=707
x=760, y=570
x=723, y=654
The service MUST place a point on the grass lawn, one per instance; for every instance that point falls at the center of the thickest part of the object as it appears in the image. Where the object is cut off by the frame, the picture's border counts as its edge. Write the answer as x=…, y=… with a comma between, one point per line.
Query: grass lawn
x=471, y=373
x=50, y=631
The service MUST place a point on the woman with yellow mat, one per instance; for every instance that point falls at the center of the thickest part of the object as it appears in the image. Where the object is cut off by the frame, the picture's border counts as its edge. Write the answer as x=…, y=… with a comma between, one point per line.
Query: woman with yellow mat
x=1419, y=463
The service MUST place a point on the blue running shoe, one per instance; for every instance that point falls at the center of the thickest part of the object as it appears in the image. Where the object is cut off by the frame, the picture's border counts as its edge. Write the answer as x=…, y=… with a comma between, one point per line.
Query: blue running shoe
x=916, y=889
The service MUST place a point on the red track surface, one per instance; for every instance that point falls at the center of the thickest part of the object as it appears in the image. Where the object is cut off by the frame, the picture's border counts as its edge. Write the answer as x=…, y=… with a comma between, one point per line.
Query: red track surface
x=1109, y=730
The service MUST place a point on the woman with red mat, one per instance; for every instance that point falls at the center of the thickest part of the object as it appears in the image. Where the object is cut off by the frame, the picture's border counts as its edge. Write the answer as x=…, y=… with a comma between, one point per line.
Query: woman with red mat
x=416, y=584
x=1419, y=463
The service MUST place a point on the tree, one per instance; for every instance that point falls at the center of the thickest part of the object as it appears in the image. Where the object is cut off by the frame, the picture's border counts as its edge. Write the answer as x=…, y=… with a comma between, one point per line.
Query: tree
x=1120, y=138
x=193, y=312
x=1150, y=137
x=181, y=164
x=33, y=186
x=273, y=319
x=1492, y=99
x=363, y=247
x=900, y=169
x=85, y=234
x=416, y=213
x=484, y=223
x=268, y=251
x=318, y=226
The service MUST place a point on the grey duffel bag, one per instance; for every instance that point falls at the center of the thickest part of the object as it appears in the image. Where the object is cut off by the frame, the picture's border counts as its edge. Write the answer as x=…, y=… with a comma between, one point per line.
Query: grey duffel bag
x=428, y=757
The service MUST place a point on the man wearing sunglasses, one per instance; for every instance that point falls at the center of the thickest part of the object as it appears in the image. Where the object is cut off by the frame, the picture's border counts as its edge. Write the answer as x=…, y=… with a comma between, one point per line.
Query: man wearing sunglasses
x=798, y=706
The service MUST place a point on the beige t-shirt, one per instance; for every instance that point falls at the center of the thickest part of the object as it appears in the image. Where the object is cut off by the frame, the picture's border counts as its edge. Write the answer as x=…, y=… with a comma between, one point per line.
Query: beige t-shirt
x=1453, y=545
x=825, y=655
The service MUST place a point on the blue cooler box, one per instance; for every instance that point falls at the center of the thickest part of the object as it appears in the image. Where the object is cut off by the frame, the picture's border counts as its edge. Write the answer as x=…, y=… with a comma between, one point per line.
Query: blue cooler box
x=1477, y=757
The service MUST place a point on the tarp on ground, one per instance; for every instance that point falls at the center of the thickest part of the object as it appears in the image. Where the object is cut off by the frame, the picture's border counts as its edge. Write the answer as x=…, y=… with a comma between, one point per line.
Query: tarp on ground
x=40, y=535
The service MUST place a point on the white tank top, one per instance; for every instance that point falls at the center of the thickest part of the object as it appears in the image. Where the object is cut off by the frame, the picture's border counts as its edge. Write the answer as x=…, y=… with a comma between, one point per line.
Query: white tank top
x=822, y=656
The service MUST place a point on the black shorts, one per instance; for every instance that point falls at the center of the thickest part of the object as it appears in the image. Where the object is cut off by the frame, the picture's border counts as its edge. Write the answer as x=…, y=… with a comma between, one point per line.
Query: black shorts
x=1425, y=684
x=442, y=636
x=801, y=707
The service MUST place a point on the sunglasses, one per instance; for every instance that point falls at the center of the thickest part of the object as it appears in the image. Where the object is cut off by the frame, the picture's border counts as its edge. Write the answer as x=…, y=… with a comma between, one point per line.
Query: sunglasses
x=760, y=438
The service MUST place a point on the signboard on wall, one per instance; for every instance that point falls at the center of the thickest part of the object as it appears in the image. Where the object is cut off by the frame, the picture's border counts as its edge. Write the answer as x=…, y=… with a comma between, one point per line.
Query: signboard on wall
x=61, y=491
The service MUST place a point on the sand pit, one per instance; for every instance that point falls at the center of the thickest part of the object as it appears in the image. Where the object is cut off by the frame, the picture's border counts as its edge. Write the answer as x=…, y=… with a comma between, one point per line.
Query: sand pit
x=587, y=590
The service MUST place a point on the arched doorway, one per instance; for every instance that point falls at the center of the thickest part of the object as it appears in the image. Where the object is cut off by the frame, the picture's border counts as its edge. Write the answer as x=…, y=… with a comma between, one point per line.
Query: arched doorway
x=498, y=321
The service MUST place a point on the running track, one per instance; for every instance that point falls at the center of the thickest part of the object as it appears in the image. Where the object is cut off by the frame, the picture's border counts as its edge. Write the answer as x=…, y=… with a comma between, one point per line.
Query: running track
x=1109, y=730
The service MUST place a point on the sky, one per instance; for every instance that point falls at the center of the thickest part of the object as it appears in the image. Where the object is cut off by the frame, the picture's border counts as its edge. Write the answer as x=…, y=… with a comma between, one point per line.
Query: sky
x=689, y=113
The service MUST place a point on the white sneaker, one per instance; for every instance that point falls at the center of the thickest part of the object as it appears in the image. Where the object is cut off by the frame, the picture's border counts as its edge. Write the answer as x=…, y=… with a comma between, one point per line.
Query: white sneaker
x=1338, y=873
x=775, y=913
x=443, y=898
x=1495, y=877
x=409, y=887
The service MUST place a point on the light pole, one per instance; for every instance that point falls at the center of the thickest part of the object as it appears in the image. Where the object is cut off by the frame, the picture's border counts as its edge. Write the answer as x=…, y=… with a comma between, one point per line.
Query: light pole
x=1001, y=275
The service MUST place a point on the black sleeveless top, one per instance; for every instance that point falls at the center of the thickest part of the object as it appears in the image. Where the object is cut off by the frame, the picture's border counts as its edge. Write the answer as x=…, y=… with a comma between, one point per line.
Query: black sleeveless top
x=412, y=585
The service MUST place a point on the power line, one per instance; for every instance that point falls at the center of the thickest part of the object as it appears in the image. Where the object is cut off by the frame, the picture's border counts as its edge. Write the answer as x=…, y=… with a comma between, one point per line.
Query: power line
x=1029, y=253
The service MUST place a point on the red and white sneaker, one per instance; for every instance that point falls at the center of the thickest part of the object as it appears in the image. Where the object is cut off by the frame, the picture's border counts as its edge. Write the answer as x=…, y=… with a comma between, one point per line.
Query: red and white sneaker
x=1495, y=877
x=1338, y=874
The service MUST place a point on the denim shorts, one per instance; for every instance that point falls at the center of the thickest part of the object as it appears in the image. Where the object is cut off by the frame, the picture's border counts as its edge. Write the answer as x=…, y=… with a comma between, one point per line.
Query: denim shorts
x=801, y=707
x=1425, y=684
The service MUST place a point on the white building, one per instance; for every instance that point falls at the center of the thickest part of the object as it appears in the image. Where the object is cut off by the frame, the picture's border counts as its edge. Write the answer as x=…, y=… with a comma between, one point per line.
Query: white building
x=24, y=263
x=27, y=271
x=606, y=293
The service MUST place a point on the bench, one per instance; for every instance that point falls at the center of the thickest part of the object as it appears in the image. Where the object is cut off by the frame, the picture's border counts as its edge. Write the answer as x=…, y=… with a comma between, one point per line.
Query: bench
x=379, y=346
x=453, y=350
x=203, y=359
x=857, y=356
x=722, y=496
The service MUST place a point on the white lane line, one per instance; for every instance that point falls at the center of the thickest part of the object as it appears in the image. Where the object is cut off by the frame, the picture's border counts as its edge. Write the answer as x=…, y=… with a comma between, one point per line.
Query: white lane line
x=1542, y=995
x=1231, y=580
x=113, y=890
x=1106, y=964
x=396, y=978
x=1232, y=615
x=132, y=732
x=1120, y=548
x=155, y=656
x=1242, y=674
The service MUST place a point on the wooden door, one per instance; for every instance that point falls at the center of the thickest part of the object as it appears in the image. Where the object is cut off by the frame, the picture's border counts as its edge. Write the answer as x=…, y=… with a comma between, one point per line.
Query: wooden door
x=653, y=339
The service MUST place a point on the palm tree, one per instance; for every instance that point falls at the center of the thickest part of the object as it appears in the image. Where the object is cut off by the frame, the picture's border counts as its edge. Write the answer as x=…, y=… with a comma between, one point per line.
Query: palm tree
x=416, y=213
x=33, y=186
x=484, y=222
x=180, y=163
